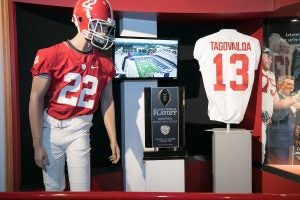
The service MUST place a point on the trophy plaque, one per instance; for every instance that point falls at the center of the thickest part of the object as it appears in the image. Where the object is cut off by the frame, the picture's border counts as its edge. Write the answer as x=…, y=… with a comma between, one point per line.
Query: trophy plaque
x=164, y=117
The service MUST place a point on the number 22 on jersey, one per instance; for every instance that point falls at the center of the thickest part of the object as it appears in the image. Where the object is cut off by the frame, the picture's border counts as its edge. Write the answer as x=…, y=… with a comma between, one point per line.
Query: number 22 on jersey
x=241, y=62
x=78, y=81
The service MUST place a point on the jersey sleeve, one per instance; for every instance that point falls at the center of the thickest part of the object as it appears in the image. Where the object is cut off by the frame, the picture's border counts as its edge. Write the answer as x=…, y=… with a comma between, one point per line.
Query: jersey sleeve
x=43, y=62
x=198, y=50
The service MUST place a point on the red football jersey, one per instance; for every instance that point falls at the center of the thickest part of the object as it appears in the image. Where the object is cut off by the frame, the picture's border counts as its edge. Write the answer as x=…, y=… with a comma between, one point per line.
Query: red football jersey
x=77, y=79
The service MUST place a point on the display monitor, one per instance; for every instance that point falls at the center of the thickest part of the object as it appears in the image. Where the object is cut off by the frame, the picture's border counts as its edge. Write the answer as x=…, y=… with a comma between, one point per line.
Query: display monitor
x=142, y=58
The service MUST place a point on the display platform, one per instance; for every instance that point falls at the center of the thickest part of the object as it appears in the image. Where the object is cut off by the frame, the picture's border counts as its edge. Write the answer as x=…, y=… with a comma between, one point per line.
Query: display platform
x=141, y=195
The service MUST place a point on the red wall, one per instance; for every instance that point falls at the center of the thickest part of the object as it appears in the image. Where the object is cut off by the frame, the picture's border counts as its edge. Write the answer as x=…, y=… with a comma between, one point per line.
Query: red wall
x=182, y=6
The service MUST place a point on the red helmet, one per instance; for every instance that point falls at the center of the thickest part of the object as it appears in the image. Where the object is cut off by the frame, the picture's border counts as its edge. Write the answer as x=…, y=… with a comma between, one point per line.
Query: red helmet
x=94, y=20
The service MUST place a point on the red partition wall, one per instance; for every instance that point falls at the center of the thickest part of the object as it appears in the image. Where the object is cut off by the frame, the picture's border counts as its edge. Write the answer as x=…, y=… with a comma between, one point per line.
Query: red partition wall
x=252, y=119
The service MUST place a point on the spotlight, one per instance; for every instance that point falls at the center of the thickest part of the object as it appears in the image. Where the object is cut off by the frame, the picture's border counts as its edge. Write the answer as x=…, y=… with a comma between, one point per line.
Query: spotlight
x=295, y=20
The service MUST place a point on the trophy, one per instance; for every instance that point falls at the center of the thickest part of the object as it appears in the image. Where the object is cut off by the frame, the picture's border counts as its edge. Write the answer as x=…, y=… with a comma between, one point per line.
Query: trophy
x=164, y=118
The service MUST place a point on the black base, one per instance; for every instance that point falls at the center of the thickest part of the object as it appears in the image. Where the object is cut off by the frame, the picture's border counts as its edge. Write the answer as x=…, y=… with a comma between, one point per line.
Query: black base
x=163, y=154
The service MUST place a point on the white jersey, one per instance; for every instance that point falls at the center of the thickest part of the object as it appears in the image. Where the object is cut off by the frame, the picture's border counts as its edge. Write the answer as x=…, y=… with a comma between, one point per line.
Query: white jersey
x=282, y=53
x=268, y=91
x=228, y=60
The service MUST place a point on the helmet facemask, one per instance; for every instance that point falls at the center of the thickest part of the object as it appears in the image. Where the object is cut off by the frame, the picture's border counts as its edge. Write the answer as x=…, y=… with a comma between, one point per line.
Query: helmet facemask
x=101, y=33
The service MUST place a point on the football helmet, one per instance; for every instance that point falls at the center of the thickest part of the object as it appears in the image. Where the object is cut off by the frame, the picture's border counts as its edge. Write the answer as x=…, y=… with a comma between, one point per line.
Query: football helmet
x=267, y=50
x=94, y=21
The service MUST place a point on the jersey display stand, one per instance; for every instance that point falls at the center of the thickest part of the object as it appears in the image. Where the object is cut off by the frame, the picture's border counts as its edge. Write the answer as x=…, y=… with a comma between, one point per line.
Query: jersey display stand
x=228, y=60
x=232, y=161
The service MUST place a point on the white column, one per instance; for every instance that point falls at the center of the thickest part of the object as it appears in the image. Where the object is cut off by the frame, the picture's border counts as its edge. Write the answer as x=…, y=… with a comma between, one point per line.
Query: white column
x=133, y=133
x=132, y=102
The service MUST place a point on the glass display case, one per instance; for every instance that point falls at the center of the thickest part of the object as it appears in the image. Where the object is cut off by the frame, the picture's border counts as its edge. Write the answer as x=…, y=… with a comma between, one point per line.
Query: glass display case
x=281, y=152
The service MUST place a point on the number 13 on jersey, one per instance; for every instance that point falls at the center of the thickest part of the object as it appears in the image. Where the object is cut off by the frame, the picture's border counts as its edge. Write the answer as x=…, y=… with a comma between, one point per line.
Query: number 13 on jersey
x=241, y=63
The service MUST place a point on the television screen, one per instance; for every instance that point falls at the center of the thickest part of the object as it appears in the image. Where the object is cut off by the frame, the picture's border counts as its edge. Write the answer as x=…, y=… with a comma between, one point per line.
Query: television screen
x=145, y=58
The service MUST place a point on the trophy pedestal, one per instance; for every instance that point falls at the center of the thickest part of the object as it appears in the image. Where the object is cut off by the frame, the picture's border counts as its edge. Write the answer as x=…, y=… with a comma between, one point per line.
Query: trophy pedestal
x=232, y=161
x=165, y=171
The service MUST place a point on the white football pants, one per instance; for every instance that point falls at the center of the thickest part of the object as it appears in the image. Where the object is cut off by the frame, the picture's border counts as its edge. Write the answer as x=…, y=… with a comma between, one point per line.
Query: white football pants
x=67, y=140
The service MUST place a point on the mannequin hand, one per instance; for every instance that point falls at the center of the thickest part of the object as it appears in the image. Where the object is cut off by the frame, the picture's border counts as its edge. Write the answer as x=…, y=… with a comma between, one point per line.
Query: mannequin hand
x=115, y=157
x=41, y=158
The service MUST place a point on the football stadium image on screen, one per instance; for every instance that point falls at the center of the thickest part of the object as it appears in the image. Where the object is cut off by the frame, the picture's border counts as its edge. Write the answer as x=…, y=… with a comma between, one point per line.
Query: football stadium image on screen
x=145, y=58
